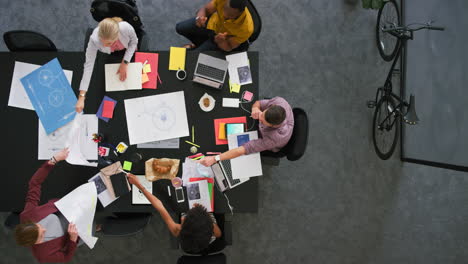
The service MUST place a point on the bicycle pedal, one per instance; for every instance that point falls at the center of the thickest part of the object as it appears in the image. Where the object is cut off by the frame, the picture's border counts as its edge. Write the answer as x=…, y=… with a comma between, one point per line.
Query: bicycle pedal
x=370, y=104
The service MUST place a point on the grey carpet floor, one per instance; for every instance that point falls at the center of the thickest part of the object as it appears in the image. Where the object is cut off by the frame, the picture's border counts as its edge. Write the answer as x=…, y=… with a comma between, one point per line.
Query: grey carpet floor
x=338, y=204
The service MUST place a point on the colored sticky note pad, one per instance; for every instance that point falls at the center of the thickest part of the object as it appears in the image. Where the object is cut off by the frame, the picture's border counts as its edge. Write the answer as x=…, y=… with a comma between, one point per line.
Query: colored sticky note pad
x=234, y=87
x=177, y=58
x=127, y=166
x=248, y=96
x=99, y=112
x=108, y=109
x=144, y=78
x=222, y=131
x=147, y=68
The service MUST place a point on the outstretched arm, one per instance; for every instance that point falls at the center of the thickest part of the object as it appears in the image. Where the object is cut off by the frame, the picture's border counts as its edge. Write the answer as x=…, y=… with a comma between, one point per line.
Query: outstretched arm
x=174, y=227
x=230, y=154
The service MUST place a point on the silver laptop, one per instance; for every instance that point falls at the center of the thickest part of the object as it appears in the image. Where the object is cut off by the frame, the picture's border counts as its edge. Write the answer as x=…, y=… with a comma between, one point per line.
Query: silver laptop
x=210, y=71
x=223, y=176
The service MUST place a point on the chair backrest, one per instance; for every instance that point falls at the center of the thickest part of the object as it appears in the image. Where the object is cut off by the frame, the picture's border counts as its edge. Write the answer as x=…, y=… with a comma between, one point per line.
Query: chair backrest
x=219, y=258
x=298, y=142
x=12, y=220
x=256, y=20
x=25, y=40
x=125, y=9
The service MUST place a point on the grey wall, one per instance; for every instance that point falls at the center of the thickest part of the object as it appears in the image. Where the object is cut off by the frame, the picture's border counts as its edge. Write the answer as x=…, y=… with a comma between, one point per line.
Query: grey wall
x=437, y=64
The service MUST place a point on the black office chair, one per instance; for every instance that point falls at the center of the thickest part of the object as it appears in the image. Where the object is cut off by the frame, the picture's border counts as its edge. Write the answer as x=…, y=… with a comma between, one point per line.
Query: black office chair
x=12, y=220
x=25, y=40
x=219, y=258
x=125, y=9
x=125, y=224
x=257, y=21
x=297, y=144
x=225, y=224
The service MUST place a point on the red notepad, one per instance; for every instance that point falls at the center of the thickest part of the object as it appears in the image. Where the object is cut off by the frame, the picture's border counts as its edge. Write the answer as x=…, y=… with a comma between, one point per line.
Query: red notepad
x=153, y=76
x=108, y=109
x=241, y=119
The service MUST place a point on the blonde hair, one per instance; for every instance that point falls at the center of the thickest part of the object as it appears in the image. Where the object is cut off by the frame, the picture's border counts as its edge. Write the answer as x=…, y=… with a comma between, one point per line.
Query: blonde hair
x=109, y=28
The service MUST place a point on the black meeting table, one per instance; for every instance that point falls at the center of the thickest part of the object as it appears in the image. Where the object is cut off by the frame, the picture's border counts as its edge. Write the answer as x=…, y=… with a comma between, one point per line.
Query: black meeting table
x=20, y=132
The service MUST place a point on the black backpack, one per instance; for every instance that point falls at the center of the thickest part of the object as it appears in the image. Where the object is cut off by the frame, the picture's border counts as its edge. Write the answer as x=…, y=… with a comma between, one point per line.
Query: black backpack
x=125, y=9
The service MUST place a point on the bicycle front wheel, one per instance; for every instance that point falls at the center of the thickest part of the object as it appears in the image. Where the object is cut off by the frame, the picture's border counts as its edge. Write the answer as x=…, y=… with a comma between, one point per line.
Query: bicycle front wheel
x=388, y=17
x=385, y=128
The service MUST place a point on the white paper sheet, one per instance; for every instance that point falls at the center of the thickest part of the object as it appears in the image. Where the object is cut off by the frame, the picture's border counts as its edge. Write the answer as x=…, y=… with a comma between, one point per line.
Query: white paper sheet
x=193, y=169
x=104, y=195
x=74, y=143
x=79, y=207
x=245, y=166
x=156, y=117
x=239, y=68
x=137, y=196
x=172, y=143
x=48, y=145
x=133, y=81
x=197, y=193
x=18, y=97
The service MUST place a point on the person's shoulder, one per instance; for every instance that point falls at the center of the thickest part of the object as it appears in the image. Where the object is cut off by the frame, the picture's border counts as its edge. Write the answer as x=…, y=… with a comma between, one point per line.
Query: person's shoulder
x=125, y=25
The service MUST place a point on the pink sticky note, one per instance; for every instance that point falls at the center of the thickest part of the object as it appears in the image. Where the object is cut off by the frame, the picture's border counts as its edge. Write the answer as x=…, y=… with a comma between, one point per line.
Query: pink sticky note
x=248, y=95
x=108, y=109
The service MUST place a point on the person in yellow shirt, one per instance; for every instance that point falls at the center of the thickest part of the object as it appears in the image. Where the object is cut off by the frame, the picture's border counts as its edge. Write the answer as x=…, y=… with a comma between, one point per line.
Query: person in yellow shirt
x=219, y=25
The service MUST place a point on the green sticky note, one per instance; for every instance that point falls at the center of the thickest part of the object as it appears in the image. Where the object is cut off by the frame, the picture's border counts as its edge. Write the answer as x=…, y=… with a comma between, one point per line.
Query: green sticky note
x=127, y=166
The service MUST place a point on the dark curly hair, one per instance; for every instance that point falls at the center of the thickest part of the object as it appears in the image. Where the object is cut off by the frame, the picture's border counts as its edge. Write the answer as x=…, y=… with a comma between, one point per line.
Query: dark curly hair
x=238, y=4
x=196, y=230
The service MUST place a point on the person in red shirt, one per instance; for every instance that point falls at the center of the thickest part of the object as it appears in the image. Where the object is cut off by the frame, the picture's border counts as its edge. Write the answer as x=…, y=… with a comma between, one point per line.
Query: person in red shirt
x=56, y=243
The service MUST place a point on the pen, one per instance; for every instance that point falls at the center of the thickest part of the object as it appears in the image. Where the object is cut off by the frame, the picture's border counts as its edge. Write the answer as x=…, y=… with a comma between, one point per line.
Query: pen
x=192, y=143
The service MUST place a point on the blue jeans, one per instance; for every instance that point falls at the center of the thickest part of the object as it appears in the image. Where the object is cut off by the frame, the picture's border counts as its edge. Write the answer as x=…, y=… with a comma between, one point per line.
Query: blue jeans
x=202, y=37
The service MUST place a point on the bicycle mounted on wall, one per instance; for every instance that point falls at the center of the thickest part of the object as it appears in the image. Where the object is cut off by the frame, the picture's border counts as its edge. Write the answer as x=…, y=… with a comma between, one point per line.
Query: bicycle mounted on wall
x=391, y=38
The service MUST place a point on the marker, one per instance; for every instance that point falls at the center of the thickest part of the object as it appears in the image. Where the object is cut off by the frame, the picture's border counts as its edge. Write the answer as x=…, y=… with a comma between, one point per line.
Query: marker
x=192, y=143
x=213, y=153
x=169, y=190
x=193, y=135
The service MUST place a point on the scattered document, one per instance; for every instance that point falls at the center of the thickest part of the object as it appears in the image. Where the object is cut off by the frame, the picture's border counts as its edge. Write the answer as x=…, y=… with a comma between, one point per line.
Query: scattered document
x=244, y=166
x=172, y=143
x=198, y=193
x=177, y=58
x=51, y=95
x=75, y=142
x=156, y=117
x=18, y=96
x=239, y=68
x=133, y=81
x=48, y=145
x=79, y=207
x=193, y=169
x=137, y=196
x=104, y=193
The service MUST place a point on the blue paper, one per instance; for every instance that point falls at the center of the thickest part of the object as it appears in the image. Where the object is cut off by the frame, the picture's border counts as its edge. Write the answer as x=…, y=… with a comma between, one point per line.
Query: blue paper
x=242, y=139
x=51, y=95
x=99, y=112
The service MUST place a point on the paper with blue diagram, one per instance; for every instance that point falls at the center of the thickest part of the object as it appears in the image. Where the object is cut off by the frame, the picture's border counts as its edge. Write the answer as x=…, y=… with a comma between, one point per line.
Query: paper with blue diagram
x=49, y=144
x=51, y=95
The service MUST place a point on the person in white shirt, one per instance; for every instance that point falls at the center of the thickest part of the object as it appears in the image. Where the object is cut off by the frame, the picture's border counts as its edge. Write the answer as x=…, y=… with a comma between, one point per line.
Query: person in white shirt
x=112, y=34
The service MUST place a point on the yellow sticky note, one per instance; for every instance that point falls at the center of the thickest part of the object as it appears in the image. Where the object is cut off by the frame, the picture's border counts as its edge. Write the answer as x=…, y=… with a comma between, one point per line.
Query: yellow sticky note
x=177, y=58
x=144, y=78
x=222, y=131
x=234, y=87
x=147, y=68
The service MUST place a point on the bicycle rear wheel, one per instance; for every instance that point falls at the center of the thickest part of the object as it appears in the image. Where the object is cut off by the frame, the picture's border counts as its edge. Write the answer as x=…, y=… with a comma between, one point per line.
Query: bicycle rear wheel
x=385, y=128
x=388, y=17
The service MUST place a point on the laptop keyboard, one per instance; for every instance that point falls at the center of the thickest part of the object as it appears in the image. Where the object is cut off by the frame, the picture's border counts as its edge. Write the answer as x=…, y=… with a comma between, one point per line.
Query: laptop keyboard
x=211, y=72
x=228, y=172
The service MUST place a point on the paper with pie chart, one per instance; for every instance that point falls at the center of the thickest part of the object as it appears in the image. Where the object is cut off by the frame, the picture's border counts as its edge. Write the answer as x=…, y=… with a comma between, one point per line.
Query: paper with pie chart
x=51, y=95
x=156, y=117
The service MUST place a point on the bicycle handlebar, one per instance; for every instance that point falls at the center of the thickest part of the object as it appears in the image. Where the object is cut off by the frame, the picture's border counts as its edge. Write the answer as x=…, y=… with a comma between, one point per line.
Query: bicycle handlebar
x=435, y=28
